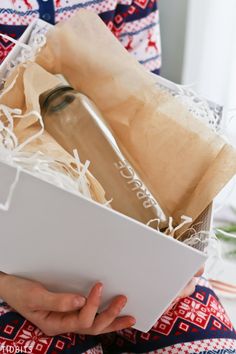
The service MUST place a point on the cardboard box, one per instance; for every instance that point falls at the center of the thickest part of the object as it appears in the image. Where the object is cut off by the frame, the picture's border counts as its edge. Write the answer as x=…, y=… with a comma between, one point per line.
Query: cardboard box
x=68, y=242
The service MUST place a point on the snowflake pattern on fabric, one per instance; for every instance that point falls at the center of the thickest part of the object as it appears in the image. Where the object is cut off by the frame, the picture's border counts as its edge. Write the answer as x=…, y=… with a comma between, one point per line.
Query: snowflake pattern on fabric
x=134, y=22
x=208, y=346
x=197, y=324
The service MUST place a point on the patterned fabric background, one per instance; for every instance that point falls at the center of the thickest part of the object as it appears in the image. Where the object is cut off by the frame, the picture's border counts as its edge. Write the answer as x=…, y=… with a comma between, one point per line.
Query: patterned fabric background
x=134, y=23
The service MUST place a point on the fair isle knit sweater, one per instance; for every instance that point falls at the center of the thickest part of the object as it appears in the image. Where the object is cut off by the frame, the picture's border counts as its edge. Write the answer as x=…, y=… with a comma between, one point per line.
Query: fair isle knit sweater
x=134, y=22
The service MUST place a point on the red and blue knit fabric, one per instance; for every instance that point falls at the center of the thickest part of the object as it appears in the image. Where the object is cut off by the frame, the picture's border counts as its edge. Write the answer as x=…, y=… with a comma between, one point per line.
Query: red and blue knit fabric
x=134, y=22
x=197, y=324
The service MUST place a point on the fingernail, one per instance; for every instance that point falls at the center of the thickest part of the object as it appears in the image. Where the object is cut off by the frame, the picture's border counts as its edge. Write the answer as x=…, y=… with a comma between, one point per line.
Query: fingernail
x=79, y=301
x=133, y=321
x=121, y=305
x=123, y=302
x=100, y=288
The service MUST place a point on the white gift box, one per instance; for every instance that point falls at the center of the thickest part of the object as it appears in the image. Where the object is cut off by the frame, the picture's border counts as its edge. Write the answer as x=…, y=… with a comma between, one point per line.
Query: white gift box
x=68, y=242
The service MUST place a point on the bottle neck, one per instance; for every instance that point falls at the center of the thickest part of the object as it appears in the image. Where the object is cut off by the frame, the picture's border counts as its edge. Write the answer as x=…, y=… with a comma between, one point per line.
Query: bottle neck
x=52, y=98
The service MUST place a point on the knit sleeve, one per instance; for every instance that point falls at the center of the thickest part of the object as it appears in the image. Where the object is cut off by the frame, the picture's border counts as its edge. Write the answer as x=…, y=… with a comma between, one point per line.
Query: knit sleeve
x=136, y=25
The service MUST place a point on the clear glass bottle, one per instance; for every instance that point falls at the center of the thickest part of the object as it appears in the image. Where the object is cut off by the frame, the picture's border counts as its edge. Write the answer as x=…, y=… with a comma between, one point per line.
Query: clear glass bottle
x=75, y=123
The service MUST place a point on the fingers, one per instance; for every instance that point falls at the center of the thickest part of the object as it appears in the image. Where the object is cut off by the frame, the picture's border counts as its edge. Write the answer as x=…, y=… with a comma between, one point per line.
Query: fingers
x=56, y=302
x=107, y=317
x=200, y=272
x=88, y=312
x=33, y=296
x=91, y=323
x=189, y=289
x=79, y=321
x=57, y=313
x=85, y=321
x=120, y=323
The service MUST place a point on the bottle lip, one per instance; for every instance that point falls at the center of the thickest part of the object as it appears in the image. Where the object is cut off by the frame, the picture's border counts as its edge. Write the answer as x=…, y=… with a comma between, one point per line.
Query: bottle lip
x=45, y=96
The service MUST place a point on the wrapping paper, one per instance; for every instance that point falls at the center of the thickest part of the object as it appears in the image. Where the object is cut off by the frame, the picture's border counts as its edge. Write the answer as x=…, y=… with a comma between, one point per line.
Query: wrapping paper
x=182, y=162
x=22, y=91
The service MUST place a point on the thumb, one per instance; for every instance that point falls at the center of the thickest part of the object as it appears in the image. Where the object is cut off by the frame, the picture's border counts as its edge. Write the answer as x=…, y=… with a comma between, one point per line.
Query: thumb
x=58, y=302
x=189, y=289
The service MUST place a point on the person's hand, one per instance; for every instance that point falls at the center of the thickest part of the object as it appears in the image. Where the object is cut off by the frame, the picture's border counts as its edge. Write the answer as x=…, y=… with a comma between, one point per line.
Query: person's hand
x=190, y=287
x=57, y=313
